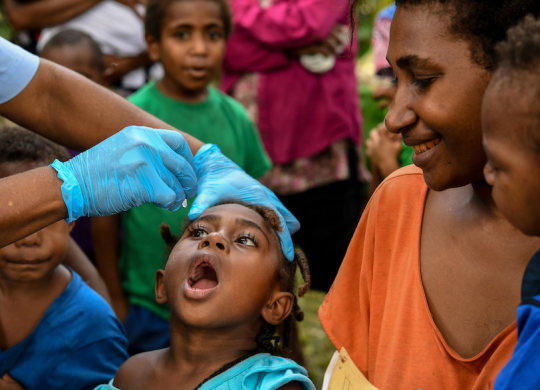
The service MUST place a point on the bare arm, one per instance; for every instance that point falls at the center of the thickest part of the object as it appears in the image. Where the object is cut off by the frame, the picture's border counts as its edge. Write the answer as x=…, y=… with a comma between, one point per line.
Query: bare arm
x=105, y=231
x=71, y=110
x=80, y=263
x=36, y=15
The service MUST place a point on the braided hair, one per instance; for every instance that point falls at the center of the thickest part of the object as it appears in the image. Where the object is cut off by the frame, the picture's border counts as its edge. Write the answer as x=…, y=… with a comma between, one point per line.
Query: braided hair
x=267, y=341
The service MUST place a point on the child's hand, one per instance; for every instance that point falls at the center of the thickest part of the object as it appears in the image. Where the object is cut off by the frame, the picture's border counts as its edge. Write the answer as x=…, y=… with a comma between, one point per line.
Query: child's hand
x=220, y=179
x=383, y=148
x=8, y=383
x=135, y=166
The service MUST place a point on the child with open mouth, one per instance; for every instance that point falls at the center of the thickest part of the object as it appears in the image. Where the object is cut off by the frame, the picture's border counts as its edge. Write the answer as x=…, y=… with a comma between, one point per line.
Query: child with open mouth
x=229, y=286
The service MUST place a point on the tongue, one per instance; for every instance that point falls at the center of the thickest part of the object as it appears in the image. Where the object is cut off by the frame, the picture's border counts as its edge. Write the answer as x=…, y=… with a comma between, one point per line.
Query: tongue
x=205, y=284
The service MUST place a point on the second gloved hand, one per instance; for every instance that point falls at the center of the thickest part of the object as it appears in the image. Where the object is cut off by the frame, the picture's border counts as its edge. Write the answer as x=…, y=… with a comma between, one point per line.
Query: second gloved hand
x=221, y=179
x=135, y=166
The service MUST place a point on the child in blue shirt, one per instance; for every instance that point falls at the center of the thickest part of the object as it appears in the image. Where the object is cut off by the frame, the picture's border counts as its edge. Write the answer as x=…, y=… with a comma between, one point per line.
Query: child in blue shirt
x=511, y=127
x=228, y=285
x=57, y=333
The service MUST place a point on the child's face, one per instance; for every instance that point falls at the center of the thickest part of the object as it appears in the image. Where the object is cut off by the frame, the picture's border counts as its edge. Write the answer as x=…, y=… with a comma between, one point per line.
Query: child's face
x=438, y=100
x=36, y=256
x=192, y=44
x=223, y=271
x=77, y=58
x=510, y=118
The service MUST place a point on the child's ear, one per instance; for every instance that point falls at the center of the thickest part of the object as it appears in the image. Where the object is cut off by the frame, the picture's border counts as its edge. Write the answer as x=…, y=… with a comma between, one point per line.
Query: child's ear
x=278, y=307
x=161, y=296
x=71, y=225
x=153, y=47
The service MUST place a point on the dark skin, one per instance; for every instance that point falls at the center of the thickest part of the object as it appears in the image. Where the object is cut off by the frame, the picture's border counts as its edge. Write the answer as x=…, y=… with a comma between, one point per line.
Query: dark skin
x=208, y=332
x=472, y=259
x=52, y=105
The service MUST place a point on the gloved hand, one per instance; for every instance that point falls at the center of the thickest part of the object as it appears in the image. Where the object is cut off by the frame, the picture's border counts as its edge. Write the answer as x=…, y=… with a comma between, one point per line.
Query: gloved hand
x=135, y=166
x=220, y=179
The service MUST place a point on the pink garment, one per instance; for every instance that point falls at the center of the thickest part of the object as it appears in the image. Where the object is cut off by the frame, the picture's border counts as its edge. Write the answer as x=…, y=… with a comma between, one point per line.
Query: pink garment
x=299, y=113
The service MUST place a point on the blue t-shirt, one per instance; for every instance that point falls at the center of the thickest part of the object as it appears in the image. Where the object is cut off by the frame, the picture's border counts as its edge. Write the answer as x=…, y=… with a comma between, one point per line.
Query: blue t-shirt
x=523, y=369
x=17, y=68
x=78, y=344
x=259, y=372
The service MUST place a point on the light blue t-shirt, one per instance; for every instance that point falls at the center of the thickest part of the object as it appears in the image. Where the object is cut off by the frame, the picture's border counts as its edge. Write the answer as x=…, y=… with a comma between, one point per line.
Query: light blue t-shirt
x=259, y=372
x=17, y=68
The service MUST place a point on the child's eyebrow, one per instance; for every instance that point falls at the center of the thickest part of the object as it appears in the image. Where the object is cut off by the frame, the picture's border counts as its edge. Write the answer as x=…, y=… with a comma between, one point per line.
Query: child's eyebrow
x=209, y=218
x=247, y=222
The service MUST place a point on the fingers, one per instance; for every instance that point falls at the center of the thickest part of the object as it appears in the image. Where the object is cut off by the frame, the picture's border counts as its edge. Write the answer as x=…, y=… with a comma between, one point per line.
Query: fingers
x=177, y=142
x=181, y=169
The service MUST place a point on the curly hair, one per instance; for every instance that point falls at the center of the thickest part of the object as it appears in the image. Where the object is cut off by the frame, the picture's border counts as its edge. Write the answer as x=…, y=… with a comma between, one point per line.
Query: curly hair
x=157, y=9
x=286, y=273
x=482, y=23
x=18, y=144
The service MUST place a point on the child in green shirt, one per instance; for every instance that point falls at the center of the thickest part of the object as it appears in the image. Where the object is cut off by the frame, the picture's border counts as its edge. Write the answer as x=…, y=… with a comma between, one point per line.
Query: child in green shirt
x=190, y=44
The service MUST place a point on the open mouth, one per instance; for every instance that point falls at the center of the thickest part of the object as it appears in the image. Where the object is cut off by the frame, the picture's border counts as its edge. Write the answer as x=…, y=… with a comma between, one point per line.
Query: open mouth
x=203, y=277
x=423, y=147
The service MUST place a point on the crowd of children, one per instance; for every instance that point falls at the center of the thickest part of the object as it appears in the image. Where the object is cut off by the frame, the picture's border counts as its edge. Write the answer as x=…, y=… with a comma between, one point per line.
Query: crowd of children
x=444, y=254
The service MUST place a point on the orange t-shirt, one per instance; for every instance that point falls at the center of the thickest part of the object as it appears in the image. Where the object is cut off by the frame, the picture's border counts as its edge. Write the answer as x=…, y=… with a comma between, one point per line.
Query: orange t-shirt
x=377, y=308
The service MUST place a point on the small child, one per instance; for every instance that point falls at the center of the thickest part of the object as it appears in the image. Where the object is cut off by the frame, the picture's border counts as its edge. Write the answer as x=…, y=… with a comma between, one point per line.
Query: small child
x=76, y=50
x=188, y=37
x=228, y=285
x=511, y=126
x=56, y=332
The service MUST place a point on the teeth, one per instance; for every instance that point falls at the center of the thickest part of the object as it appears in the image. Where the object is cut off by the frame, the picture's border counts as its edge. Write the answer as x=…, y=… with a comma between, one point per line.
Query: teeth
x=421, y=148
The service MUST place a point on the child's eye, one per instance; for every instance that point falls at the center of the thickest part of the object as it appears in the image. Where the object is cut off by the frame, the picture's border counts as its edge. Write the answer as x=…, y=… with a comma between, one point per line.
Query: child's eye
x=199, y=233
x=248, y=240
x=215, y=35
x=181, y=34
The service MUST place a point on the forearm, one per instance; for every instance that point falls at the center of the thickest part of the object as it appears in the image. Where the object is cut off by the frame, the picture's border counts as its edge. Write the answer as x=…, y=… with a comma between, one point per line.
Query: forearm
x=75, y=112
x=80, y=263
x=105, y=232
x=29, y=202
x=39, y=14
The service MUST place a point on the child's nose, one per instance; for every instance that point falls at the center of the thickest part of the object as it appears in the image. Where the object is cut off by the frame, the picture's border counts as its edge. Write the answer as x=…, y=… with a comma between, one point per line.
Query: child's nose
x=31, y=240
x=215, y=240
x=199, y=45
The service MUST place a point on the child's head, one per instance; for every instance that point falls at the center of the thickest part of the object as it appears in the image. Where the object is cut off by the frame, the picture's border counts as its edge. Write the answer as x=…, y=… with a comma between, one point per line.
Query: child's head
x=228, y=271
x=36, y=256
x=77, y=51
x=443, y=54
x=511, y=124
x=188, y=37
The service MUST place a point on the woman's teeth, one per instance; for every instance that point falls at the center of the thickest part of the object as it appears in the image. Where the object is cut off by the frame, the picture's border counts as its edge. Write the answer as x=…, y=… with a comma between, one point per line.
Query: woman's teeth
x=421, y=148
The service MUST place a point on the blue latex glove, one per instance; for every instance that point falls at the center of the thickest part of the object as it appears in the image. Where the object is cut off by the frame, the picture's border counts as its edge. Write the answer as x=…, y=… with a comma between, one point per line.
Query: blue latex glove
x=135, y=166
x=220, y=179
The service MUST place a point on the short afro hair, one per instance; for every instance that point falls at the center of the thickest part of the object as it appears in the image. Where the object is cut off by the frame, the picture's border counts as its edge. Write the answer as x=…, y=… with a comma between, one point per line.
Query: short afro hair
x=157, y=9
x=77, y=38
x=20, y=145
x=483, y=23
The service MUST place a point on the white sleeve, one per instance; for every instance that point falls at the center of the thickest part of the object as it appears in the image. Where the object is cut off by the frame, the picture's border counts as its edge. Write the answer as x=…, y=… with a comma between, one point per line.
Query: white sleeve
x=17, y=68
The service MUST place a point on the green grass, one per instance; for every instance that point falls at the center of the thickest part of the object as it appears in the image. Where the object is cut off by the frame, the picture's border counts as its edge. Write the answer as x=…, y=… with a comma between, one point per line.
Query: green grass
x=317, y=348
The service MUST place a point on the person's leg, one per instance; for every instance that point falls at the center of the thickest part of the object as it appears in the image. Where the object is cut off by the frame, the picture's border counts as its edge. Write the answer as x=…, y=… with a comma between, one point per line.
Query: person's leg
x=328, y=216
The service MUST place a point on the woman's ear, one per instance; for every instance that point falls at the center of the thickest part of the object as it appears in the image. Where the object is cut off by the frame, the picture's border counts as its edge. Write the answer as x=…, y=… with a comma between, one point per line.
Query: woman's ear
x=278, y=307
x=161, y=296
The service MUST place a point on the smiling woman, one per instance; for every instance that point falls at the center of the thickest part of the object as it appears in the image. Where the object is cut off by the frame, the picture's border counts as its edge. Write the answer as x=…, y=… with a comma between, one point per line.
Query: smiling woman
x=427, y=294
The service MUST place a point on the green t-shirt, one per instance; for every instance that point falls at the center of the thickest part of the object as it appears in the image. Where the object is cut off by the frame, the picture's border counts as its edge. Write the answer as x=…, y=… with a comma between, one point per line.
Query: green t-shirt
x=220, y=120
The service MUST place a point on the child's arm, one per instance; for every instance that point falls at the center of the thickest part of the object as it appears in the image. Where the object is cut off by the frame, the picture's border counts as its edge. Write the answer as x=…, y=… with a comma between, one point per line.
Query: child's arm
x=36, y=15
x=80, y=263
x=105, y=236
